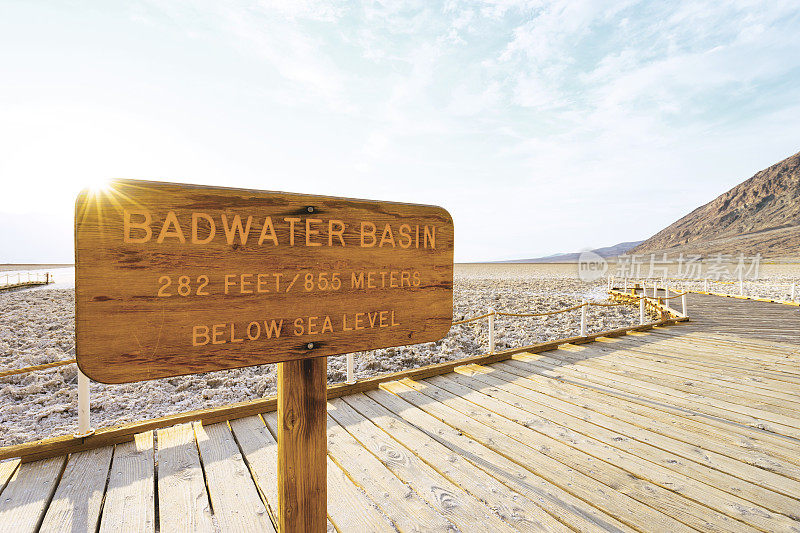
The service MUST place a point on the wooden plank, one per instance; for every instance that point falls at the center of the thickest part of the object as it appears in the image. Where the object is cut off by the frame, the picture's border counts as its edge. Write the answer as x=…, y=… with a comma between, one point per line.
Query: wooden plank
x=750, y=403
x=302, y=464
x=705, y=443
x=709, y=358
x=624, y=362
x=750, y=342
x=746, y=317
x=647, y=356
x=7, y=469
x=692, y=350
x=28, y=493
x=511, y=506
x=737, y=349
x=347, y=504
x=638, y=444
x=350, y=508
x=183, y=503
x=718, y=509
x=398, y=501
x=696, y=382
x=533, y=451
x=443, y=495
x=234, y=497
x=56, y=446
x=725, y=410
x=679, y=416
x=571, y=511
x=615, y=384
x=129, y=505
x=260, y=450
x=174, y=279
x=79, y=496
x=756, y=344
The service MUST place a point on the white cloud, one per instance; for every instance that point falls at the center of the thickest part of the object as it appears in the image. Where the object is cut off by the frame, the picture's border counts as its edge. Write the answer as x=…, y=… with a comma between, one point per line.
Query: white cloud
x=530, y=116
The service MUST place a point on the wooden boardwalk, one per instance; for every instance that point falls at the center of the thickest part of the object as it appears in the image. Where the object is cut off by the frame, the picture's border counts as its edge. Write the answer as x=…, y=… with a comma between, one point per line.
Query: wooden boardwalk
x=750, y=318
x=23, y=284
x=674, y=429
x=38, y=279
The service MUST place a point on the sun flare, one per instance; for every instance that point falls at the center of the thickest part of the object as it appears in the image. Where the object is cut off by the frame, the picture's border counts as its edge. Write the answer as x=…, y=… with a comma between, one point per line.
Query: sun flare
x=99, y=185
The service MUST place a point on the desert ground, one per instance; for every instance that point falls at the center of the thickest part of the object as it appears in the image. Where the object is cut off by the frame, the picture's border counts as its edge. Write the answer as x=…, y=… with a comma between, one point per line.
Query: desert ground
x=37, y=326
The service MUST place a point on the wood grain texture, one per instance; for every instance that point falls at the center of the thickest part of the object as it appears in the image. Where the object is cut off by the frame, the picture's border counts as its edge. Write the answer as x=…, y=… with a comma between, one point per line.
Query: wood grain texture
x=27, y=494
x=79, y=496
x=406, y=509
x=564, y=506
x=158, y=293
x=549, y=459
x=271, y=470
x=703, y=485
x=350, y=508
x=234, y=497
x=449, y=499
x=260, y=451
x=691, y=460
x=302, y=466
x=183, y=503
x=7, y=469
x=129, y=504
x=511, y=506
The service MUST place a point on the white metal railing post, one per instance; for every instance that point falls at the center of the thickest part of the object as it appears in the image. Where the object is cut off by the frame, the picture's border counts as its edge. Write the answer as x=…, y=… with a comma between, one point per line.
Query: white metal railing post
x=705, y=285
x=625, y=286
x=683, y=304
x=741, y=286
x=491, y=329
x=641, y=311
x=583, y=318
x=351, y=374
x=792, y=294
x=84, y=422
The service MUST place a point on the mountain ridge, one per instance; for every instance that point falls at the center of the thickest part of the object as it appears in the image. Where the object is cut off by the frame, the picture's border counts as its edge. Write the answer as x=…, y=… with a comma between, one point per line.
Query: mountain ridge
x=759, y=215
x=572, y=257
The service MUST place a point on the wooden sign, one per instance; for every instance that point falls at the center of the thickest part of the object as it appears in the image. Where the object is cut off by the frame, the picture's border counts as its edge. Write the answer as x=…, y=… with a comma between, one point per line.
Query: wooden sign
x=175, y=279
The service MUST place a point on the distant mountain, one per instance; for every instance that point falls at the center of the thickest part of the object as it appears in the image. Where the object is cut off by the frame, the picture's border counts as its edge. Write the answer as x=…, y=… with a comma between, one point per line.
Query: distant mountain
x=608, y=251
x=760, y=215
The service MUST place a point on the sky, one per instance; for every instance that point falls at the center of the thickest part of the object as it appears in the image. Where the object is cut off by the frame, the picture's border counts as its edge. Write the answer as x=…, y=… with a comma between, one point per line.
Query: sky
x=543, y=126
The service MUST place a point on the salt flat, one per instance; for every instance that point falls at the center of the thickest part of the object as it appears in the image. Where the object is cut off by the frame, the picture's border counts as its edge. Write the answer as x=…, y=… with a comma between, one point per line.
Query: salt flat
x=37, y=326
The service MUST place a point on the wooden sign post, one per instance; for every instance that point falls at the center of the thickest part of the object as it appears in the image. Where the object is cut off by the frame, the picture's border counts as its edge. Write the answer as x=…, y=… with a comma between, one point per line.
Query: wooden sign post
x=175, y=279
x=302, y=445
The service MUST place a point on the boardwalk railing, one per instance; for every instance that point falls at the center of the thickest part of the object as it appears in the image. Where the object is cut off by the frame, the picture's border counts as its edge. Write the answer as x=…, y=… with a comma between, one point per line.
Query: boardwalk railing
x=24, y=279
x=659, y=305
x=618, y=298
x=785, y=292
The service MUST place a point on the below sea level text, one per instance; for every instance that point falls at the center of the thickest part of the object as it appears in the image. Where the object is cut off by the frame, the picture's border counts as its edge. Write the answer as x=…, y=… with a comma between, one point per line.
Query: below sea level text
x=255, y=330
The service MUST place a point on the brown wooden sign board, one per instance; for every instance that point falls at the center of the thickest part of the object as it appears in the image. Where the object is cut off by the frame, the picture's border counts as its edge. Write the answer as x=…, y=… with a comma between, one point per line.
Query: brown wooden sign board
x=174, y=279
